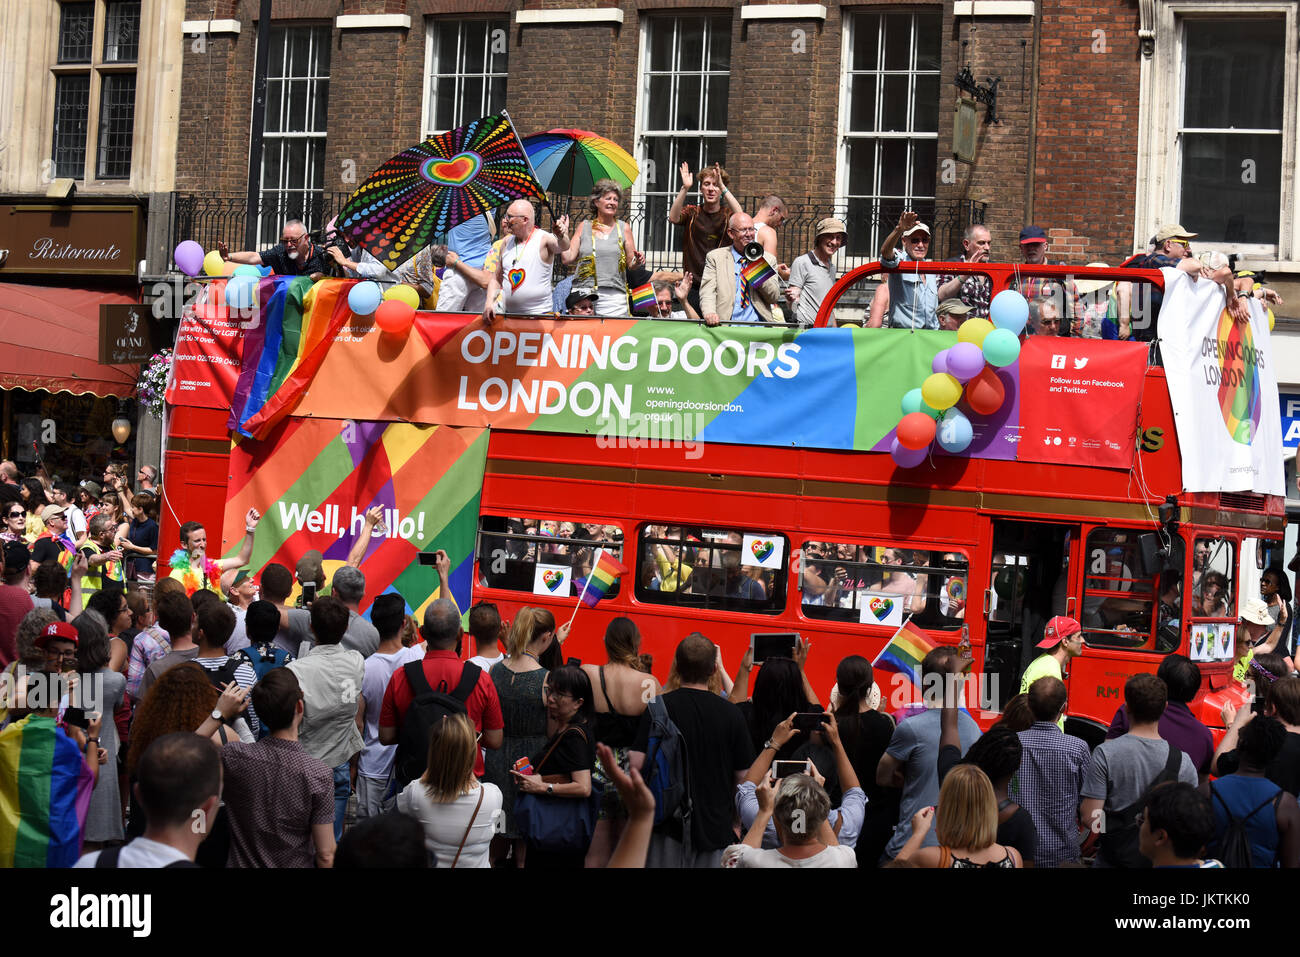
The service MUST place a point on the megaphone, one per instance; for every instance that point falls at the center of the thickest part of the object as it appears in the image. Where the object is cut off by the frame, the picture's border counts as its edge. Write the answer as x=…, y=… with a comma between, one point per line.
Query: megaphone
x=753, y=250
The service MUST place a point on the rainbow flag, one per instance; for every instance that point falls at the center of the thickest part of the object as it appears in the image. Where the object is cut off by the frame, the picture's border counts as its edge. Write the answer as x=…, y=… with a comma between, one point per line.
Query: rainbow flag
x=756, y=273
x=44, y=795
x=905, y=651
x=604, y=575
x=643, y=298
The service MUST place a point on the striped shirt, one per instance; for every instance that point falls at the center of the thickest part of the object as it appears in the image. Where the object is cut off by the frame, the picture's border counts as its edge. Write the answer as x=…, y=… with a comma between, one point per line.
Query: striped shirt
x=1047, y=785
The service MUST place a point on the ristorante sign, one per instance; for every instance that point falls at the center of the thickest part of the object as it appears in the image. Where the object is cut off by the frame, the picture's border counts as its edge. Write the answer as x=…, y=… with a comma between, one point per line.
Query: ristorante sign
x=70, y=240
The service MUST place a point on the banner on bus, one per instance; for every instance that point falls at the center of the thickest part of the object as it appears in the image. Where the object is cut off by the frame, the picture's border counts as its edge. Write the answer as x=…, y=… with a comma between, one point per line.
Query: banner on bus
x=647, y=381
x=314, y=479
x=1223, y=388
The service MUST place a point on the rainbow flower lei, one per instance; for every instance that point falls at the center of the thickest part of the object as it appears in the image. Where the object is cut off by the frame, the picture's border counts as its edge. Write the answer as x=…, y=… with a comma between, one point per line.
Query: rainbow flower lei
x=181, y=562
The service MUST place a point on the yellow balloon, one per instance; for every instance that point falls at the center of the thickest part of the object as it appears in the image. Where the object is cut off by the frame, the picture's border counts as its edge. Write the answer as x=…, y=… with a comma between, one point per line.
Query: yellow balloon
x=940, y=391
x=974, y=331
x=405, y=294
x=213, y=263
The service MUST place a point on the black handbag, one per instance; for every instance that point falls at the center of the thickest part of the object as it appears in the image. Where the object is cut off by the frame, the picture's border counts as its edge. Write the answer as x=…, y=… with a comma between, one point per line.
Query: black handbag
x=553, y=823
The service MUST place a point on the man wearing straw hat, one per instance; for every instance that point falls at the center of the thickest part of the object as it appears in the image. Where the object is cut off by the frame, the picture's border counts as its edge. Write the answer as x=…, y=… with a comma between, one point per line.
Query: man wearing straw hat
x=813, y=274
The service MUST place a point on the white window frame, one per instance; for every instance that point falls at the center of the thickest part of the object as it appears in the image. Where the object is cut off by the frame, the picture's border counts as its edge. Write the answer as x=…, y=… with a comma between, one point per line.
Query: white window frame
x=281, y=140
x=1158, y=192
x=844, y=135
x=431, y=25
x=642, y=132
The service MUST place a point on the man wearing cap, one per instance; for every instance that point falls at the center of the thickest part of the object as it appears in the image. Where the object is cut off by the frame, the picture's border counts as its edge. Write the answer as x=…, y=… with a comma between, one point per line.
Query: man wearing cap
x=975, y=291
x=1033, y=252
x=580, y=302
x=54, y=544
x=913, y=297
x=1062, y=640
x=813, y=274
x=15, y=600
x=952, y=313
x=1171, y=249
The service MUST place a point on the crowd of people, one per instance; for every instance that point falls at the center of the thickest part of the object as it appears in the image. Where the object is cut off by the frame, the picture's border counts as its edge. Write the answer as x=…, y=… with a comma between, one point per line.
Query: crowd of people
x=732, y=269
x=302, y=734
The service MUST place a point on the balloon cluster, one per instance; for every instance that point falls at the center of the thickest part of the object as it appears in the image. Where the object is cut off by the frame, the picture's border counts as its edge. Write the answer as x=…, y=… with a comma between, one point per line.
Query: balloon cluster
x=966, y=370
x=394, y=310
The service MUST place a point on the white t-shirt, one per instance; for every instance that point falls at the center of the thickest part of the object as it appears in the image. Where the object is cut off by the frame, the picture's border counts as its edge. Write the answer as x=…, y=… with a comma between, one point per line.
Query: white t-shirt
x=486, y=663
x=742, y=855
x=76, y=520
x=445, y=824
x=377, y=759
x=141, y=852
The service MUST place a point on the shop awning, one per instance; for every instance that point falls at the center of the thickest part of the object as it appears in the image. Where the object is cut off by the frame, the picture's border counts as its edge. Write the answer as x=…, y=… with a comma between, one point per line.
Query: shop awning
x=49, y=339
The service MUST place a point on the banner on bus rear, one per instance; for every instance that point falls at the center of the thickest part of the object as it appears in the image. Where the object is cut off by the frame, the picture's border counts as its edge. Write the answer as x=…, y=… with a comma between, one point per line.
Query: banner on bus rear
x=645, y=382
x=1223, y=388
x=313, y=480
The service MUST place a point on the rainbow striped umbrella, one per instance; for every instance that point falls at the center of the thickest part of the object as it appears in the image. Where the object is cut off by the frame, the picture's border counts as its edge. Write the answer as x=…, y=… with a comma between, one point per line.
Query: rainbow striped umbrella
x=570, y=161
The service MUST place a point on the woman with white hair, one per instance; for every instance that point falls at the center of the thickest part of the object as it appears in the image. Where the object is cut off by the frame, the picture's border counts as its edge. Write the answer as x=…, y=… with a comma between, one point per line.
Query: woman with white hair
x=798, y=806
x=603, y=247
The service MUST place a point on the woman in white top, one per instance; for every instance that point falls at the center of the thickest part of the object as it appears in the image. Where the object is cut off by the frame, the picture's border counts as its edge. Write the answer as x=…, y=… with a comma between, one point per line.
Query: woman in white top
x=457, y=813
x=603, y=248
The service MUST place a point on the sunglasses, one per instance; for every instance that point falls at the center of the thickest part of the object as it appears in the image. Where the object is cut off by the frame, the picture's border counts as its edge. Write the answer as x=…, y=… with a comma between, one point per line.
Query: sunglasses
x=18, y=514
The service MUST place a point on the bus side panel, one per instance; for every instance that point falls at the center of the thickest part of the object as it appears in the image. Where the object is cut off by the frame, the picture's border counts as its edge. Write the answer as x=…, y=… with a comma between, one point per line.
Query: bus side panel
x=196, y=470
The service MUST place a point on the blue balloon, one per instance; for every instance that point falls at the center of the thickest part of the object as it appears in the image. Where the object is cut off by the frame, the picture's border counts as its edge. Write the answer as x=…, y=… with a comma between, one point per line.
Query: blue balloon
x=1009, y=310
x=247, y=270
x=364, y=298
x=241, y=292
x=912, y=402
x=955, y=433
x=1001, y=347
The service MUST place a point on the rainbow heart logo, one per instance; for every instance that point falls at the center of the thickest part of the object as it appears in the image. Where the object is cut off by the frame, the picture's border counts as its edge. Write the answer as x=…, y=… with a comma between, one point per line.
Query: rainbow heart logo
x=881, y=607
x=516, y=277
x=457, y=171
x=762, y=548
x=553, y=580
x=956, y=589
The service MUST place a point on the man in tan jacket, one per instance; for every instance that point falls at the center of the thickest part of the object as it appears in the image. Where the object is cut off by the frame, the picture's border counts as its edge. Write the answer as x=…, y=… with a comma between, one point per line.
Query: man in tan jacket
x=724, y=294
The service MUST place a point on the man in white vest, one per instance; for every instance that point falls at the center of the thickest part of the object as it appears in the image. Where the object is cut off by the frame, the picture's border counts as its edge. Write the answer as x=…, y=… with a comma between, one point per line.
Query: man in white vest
x=520, y=265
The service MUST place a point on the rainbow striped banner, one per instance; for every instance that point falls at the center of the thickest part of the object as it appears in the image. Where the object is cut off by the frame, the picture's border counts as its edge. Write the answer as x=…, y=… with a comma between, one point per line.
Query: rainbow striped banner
x=314, y=479
x=45, y=791
x=604, y=575
x=643, y=298
x=756, y=273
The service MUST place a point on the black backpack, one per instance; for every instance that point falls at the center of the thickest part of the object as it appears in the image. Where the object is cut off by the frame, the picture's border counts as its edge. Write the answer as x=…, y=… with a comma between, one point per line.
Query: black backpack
x=427, y=706
x=1233, y=848
x=1118, y=846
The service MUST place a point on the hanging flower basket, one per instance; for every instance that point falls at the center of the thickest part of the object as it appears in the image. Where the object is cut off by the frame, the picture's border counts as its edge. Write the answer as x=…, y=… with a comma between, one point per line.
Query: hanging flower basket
x=153, y=382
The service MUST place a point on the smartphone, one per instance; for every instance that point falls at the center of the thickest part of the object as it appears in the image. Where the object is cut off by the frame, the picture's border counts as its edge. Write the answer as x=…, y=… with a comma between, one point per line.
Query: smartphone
x=524, y=766
x=807, y=721
x=308, y=593
x=781, y=769
x=773, y=645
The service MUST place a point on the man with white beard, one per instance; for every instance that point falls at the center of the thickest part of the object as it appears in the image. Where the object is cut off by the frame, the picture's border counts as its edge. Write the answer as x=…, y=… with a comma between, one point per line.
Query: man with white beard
x=296, y=254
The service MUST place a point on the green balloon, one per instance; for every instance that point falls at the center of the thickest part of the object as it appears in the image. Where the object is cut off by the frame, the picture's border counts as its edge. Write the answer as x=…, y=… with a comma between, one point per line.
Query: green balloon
x=912, y=402
x=1001, y=347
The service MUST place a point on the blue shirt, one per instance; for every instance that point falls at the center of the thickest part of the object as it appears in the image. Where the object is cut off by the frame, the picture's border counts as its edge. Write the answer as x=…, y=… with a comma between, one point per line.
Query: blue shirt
x=913, y=297
x=740, y=313
x=471, y=241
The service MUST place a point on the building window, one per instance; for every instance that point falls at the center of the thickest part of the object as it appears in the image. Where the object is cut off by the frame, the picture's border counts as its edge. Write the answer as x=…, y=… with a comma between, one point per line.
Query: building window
x=465, y=63
x=1231, y=130
x=890, y=122
x=685, y=84
x=86, y=86
x=293, y=150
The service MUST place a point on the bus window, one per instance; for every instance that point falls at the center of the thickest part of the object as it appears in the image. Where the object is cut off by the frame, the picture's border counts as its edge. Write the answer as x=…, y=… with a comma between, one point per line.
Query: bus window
x=883, y=584
x=1214, y=567
x=696, y=567
x=1130, y=598
x=510, y=549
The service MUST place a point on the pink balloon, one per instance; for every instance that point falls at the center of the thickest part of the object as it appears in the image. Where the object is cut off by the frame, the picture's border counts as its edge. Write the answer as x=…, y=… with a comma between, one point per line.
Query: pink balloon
x=906, y=458
x=965, y=360
x=940, y=362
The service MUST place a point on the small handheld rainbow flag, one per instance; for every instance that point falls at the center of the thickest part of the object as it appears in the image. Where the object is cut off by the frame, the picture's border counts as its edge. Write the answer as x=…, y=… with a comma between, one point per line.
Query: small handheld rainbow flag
x=44, y=795
x=643, y=298
x=604, y=575
x=757, y=272
x=905, y=650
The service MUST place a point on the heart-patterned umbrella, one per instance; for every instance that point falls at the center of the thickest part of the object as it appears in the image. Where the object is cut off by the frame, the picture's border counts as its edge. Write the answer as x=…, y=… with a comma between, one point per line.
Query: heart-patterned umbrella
x=428, y=188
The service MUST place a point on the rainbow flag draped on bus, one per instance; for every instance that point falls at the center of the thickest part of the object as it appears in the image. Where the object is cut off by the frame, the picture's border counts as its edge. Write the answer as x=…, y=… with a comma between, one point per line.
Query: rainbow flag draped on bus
x=605, y=573
x=45, y=791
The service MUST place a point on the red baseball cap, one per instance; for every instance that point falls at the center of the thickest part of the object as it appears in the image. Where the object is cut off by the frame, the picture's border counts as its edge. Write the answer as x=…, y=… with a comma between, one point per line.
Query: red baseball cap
x=56, y=629
x=1058, y=629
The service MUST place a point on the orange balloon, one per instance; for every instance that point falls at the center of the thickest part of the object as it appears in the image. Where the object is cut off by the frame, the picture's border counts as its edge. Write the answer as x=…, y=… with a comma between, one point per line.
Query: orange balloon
x=394, y=316
x=915, y=430
x=985, y=393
